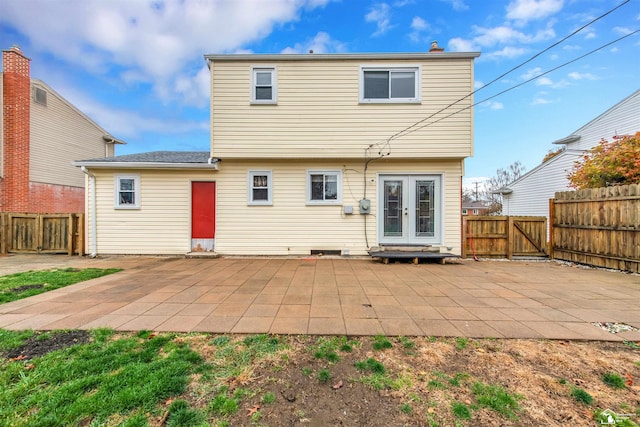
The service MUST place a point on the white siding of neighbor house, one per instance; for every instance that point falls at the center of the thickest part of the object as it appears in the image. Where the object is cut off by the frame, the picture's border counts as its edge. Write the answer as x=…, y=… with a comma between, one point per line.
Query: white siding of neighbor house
x=289, y=226
x=531, y=193
x=318, y=113
x=60, y=133
x=531, y=196
x=621, y=119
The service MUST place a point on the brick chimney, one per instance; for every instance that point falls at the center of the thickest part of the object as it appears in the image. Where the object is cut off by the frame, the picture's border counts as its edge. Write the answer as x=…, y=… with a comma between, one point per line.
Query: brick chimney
x=16, y=114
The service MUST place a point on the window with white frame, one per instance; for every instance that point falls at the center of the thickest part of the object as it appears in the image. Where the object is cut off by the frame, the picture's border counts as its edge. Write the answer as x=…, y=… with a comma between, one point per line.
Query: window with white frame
x=324, y=187
x=398, y=84
x=260, y=188
x=127, y=194
x=264, y=88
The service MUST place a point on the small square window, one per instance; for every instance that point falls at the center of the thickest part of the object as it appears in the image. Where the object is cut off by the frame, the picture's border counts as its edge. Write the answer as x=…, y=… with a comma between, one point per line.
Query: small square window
x=127, y=192
x=259, y=188
x=324, y=187
x=263, y=85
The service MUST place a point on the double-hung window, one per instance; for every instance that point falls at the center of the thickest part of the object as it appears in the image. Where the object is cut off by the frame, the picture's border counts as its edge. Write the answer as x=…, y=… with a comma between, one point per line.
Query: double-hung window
x=127, y=194
x=324, y=187
x=259, y=188
x=397, y=85
x=264, y=89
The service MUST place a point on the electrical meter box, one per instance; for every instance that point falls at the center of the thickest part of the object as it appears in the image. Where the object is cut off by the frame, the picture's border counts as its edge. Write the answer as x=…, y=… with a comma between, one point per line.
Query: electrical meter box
x=365, y=207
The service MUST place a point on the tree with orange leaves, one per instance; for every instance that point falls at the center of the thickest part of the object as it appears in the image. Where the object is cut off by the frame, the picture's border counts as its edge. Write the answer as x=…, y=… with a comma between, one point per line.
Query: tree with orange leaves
x=608, y=164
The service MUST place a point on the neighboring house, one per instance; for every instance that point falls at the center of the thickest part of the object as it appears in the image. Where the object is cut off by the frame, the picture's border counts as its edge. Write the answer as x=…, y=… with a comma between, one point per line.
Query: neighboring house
x=302, y=161
x=40, y=134
x=475, y=208
x=529, y=195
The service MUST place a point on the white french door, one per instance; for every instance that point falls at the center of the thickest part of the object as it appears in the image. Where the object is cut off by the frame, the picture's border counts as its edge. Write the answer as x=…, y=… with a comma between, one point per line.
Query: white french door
x=409, y=209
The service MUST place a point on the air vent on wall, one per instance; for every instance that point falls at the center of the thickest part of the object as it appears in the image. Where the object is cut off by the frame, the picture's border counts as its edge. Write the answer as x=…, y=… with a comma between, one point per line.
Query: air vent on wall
x=40, y=96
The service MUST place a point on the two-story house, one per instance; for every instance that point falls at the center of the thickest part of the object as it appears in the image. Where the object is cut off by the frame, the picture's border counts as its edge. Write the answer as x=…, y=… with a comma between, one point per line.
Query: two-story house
x=40, y=134
x=312, y=153
x=529, y=195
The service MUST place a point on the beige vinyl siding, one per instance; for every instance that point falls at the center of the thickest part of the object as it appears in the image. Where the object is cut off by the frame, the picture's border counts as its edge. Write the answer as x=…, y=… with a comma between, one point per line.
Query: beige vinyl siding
x=162, y=224
x=318, y=113
x=59, y=135
x=291, y=227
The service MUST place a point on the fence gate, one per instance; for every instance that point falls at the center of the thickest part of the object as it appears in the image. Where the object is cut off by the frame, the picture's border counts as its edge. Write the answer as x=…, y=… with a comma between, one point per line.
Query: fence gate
x=42, y=233
x=504, y=236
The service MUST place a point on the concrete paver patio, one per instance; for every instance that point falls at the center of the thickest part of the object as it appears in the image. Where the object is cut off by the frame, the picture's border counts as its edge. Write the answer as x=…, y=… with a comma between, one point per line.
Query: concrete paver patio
x=334, y=296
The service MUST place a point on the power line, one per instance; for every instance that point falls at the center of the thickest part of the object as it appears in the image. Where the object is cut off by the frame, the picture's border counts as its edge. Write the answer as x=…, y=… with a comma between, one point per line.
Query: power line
x=408, y=128
x=518, y=85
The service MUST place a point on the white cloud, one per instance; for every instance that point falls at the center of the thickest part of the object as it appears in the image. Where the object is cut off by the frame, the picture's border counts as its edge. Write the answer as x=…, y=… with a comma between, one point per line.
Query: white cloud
x=544, y=81
x=581, y=76
x=320, y=43
x=458, y=44
x=493, y=105
x=148, y=41
x=623, y=31
x=523, y=11
x=458, y=5
x=506, y=52
x=419, y=26
x=380, y=15
x=540, y=101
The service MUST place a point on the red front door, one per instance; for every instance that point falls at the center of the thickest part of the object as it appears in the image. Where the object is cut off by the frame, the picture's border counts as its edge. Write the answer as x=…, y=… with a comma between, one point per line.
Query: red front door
x=203, y=216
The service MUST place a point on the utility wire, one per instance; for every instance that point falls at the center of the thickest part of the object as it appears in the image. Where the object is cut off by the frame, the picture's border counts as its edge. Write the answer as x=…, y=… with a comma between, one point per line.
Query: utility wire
x=407, y=129
x=520, y=84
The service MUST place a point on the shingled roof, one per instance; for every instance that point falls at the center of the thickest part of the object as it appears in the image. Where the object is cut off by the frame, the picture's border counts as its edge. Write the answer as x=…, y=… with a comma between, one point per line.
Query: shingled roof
x=154, y=160
x=157, y=157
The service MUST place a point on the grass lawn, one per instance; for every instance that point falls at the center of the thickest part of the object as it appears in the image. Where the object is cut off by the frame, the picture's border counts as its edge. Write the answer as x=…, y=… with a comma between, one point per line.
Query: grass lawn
x=107, y=378
x=22, y=285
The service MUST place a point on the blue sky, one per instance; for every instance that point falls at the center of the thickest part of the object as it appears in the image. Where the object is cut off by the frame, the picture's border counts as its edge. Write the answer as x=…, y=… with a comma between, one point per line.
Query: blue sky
x=137, y=67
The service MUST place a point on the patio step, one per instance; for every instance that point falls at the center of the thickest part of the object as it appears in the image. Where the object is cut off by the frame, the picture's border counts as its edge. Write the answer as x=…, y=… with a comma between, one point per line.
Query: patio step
x=406, y=248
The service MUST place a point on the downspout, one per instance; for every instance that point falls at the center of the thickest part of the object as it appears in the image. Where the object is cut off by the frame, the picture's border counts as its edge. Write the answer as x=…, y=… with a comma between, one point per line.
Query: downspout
x=94, y=226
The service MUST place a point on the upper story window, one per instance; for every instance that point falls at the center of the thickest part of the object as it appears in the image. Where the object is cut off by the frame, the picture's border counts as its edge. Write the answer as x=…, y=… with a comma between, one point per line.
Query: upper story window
x=390, y=84
x=264, y=88
x=324, y=187
x=40, y=96
x=260, y=188
x=127, y=194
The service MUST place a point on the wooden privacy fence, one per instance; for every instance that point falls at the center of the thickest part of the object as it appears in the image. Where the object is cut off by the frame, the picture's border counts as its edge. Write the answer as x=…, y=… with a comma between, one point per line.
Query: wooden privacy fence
x=599, y=226
x=42, y=233
x=504, y=236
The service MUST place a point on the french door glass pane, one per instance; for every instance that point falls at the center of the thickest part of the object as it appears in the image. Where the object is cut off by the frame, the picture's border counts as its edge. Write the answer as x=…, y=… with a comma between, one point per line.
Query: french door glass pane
x=376, y=84
x=403, y=84
x=425, y=208
x=393, y=208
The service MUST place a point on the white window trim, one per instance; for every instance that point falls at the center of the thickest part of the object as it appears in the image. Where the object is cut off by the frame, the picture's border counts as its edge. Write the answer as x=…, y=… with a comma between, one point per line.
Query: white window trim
x=274, y=84
x=417, y=69
x=464, y=212
x=136, y=192
x=250, y=200
x=338, y=174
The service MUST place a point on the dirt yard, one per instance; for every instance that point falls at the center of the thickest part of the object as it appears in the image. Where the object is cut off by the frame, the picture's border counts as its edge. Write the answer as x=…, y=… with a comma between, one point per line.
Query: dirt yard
x=378, y=381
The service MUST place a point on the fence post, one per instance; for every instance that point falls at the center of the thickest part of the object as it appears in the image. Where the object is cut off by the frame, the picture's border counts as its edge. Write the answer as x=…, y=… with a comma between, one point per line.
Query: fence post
x=464, y=236
x=552, y=215
x=3, y=233
x=71, y=233
x=510, y=237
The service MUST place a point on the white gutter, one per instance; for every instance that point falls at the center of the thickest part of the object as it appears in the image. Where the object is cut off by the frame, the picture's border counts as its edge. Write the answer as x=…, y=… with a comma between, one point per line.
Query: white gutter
x=94, y=214
x=212, y=164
